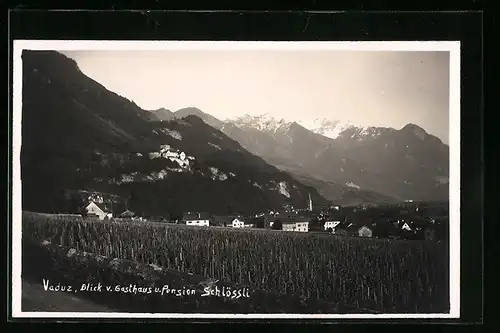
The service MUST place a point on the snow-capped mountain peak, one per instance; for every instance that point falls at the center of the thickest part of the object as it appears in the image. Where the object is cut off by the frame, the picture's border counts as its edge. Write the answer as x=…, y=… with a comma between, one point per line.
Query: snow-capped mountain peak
x=326, y=127
x=323, y=126
x=264, y=122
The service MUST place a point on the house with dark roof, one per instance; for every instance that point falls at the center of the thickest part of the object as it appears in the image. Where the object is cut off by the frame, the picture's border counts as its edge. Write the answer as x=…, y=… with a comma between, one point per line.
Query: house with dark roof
x=95, y=210
x=127, y=214
x=295, y=223
x=222, y=220
x=344, y=228
x=196, y=219
x=237, y=222
x=258, y=221
x=331, y=225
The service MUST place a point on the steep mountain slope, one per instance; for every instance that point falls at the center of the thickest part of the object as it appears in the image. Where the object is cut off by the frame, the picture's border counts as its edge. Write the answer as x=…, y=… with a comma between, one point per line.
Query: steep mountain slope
x=345, y=195
x=326, y=127
x=78, y=135
x=164, y=114
x=191, y=111
x=406, y=164
x=75, y=110
x=274, y=141
x=293, y=148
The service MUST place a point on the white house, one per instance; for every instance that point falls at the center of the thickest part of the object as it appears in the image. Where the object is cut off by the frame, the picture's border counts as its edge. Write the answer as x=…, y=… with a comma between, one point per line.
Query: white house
x=237, y=223
x=93, y=209
x=331, y=224
x=365, y=231
x=169, y=154
x=406, y=227
x=164, y=148
x=200, y=223
x=175, y=156
x=296, y=226
x=196, y=219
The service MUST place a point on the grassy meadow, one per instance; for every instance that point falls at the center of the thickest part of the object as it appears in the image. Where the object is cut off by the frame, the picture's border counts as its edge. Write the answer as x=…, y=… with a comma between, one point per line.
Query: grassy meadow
x=383, y=275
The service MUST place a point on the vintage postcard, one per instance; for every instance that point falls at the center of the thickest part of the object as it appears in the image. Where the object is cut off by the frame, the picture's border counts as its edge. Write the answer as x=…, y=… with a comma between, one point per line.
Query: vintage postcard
x=187, y=179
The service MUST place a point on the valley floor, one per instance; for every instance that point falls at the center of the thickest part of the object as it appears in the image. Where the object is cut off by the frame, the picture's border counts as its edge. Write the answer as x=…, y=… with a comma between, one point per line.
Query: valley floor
x=287, y=272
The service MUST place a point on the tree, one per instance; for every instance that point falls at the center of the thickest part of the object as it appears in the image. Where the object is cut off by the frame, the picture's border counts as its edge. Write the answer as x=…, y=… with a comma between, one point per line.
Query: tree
x=277, y=225
x=342, y=232
x=381, y=229
x=175, y=214
x=76, y=205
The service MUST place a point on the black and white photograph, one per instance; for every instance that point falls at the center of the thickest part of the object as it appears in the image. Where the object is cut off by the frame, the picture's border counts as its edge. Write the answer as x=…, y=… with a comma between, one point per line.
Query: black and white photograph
x=199, y=179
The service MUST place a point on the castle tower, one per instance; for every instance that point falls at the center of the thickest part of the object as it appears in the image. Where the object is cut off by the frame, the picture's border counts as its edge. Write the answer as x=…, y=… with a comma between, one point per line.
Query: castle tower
x=310, y=203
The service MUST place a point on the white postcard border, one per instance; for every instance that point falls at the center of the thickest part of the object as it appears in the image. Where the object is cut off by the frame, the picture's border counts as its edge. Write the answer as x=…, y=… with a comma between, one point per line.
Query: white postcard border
x=65, y=45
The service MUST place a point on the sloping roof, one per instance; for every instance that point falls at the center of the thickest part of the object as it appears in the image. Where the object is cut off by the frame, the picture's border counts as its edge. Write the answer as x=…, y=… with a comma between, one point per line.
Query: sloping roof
x=344, y=224
x=204, y=216
x=406, y=226
x=255, y=219
x=293, y=219
x=190, y=216
x=97, y=205
x=127, y=213
x=195, y=216
x=335, y=223
x=223, y=218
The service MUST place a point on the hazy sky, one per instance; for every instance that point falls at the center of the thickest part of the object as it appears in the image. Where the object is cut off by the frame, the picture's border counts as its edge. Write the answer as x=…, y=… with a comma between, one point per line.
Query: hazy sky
x=367, y=88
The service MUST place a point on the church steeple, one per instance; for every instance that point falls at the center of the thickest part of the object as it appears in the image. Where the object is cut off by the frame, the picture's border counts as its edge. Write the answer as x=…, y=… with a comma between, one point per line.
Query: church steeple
x=310, y=203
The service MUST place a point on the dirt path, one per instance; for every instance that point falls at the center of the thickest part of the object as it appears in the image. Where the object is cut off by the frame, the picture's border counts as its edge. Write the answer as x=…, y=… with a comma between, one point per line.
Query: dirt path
x=36, y=299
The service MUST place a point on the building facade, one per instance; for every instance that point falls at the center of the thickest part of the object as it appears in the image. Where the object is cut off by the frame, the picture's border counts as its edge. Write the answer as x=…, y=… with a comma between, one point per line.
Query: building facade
x=296, y=226
x=196, y=219
x=199, y=223
x=237, y=223
x=331, y=224
x=93, y=209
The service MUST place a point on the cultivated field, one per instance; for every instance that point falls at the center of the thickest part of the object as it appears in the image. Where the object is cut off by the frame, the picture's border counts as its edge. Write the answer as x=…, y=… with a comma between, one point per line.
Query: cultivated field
x=383, y=275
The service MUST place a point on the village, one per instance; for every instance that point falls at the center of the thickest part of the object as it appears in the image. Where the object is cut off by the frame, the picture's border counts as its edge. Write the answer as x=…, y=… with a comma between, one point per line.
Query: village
x=409, y=220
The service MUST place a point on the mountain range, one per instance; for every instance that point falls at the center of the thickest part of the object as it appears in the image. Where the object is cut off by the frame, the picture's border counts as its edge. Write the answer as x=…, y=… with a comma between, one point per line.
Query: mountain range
x=346, y=163
x=79, y=136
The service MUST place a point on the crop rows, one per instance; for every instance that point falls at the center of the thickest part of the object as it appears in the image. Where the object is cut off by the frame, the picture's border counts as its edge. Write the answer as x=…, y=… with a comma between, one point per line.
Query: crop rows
x=387, y=276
